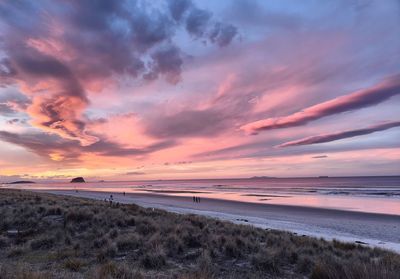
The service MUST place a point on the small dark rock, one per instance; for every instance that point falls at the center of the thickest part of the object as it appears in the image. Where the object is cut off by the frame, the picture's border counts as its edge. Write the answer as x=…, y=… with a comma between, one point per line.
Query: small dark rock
x=78, y=180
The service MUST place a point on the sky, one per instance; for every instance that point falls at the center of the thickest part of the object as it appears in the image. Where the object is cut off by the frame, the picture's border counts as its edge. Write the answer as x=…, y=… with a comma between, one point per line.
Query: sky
x=184, y=89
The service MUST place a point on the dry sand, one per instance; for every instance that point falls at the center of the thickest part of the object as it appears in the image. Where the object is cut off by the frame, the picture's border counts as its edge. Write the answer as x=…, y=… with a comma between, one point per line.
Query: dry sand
x=378, y=230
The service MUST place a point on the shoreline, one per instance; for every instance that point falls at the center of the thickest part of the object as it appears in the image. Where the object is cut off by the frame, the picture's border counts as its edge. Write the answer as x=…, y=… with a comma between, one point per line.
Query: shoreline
x=372, y=229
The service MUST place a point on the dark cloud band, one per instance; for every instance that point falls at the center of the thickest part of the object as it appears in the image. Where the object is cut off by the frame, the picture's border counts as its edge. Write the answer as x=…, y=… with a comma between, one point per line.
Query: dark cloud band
x=341, y=135
x=45, y=144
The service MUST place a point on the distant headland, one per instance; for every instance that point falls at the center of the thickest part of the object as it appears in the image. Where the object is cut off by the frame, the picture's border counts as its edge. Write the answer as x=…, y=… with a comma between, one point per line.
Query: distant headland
x=21, y=182
x=262, y=177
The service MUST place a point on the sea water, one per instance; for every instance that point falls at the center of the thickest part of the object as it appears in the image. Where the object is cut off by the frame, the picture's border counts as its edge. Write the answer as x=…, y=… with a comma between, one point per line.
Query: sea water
x=365, y=194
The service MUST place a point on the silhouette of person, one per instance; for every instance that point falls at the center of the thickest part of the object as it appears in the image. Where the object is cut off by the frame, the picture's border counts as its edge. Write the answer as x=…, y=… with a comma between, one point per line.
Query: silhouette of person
x=124, y=193
x=194, y=199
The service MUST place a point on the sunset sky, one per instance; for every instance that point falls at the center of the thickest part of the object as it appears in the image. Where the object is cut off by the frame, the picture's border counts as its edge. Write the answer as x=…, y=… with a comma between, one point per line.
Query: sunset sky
x=132, y=90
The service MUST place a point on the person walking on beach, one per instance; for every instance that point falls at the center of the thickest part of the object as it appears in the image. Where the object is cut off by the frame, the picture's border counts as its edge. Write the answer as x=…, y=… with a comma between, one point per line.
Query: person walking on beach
x=124, y=193
x=194, y=199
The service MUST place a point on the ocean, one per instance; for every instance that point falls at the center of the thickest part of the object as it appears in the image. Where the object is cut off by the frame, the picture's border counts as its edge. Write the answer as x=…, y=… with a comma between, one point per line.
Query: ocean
x=363, y=194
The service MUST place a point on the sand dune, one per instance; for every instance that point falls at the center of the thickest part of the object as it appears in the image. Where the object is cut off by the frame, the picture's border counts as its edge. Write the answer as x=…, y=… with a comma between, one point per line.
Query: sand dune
x=378, y=230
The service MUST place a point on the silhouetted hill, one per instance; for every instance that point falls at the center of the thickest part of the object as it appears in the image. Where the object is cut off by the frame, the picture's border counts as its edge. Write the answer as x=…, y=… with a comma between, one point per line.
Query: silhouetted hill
x=21, y=182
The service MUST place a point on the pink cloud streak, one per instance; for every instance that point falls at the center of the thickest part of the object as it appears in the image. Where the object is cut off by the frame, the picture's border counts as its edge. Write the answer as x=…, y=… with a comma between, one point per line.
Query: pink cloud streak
x=360, y=99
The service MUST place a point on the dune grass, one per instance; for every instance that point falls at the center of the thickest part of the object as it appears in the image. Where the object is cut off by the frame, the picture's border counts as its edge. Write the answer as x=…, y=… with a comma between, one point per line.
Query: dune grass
x=49, y=236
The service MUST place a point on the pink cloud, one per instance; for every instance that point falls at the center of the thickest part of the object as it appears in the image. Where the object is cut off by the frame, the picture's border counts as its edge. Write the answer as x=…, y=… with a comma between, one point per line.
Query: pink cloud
x=126, y=129
x=62, y=115
x=364, y=98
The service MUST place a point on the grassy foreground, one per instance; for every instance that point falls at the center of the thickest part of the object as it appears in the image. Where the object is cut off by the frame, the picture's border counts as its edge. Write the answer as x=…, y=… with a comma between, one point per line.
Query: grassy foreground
x=49, y=236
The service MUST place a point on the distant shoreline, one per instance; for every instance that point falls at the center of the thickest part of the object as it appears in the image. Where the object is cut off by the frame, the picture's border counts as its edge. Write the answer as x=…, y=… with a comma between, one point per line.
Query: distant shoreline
x=218, y=179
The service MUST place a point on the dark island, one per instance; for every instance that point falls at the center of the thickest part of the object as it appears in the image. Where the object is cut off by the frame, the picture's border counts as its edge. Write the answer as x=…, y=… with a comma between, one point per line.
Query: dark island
x=78, y=180
x=22, y=182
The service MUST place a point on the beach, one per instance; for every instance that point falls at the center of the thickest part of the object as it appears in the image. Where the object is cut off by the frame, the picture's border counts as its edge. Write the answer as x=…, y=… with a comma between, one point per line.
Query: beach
x=371, y=229
x=81, y=234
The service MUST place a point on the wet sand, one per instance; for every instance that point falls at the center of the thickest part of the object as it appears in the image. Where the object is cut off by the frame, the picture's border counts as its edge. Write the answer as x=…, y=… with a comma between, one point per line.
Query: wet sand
x=380, y=230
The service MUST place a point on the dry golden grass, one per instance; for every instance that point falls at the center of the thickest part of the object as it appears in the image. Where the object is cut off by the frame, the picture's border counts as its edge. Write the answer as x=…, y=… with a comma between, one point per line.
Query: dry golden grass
x=66, y=237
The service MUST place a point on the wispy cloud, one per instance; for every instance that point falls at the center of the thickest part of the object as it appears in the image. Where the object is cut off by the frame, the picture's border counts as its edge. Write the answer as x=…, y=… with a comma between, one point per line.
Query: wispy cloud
x=135, y=173
x=341, y=135
x=364, y=98
x=320, y=157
